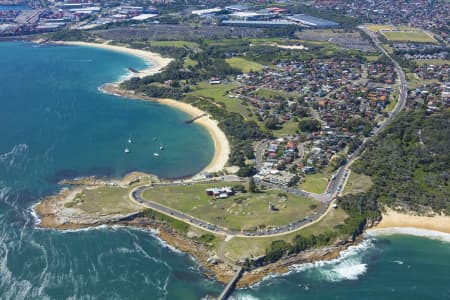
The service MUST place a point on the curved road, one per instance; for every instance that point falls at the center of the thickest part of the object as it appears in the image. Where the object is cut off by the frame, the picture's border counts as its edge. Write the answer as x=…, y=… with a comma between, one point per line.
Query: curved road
x=335, y=186
x=136, y=195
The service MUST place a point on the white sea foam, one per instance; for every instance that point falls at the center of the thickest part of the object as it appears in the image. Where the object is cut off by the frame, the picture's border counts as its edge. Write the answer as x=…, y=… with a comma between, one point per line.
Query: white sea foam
x=34, y=215
x=4, y=193
x=11, y=286
x=243, y=296
x=155, y=234
x=348, y=266
x=100, y=227
x=168, y=246
x=141, y=250
x=431, y=234
x=9, y=157
x=123, y=250
x=7, y=196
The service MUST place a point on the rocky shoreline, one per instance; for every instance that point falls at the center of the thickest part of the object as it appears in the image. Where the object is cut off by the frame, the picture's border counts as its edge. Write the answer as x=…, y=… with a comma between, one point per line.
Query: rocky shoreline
x=53, y=213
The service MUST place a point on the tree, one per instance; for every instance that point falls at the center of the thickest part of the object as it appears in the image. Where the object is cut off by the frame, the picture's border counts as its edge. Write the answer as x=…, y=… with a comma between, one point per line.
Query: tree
x=246, y=171
x=271, y=123
x=251, y=185
x=309, y=125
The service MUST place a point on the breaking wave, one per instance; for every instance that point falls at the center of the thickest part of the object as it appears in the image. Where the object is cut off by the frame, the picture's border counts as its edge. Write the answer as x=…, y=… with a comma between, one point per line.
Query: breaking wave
x=244, y=297
x=431, y=234
x=11, y=156
x=348, y=266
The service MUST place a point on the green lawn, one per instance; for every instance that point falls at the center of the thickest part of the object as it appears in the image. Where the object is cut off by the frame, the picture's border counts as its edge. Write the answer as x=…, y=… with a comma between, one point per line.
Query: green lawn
x=246, y=66
x=409, y=36
x=218, y=92
x=436, y=62
x=214, y=91
x=264, y=41
x=371, y=58
x=378, y=27
x=392, y=102
x=357, y=183
x=240, y=248
x=289, y=128
x=188, y=62
x=415, y=82
x=105, y=200
x=269, y=93
x=242, y=211
x=315, y=183
x=388, y=48
x=237, y=106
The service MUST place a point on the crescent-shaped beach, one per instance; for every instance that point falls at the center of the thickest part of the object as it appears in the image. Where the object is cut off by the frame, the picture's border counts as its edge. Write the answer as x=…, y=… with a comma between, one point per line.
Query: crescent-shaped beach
x=155, y=64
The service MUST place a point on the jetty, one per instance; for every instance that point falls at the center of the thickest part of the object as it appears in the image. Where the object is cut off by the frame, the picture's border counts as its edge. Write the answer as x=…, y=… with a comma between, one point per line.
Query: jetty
x=195, y=118
x=133, y=70
x=231, y=285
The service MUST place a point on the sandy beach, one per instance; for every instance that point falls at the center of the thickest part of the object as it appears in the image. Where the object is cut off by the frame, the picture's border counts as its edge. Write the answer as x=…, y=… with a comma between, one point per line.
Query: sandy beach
x=156, y=64
x=393, y=219
x=221, y=145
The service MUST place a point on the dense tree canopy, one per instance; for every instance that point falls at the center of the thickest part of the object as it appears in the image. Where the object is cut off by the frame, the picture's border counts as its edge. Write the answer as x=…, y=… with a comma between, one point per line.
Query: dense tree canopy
x=410, y=163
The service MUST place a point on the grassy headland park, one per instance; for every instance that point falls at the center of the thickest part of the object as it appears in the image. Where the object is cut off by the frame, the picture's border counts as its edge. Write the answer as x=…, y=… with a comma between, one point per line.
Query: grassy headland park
x=244, y=210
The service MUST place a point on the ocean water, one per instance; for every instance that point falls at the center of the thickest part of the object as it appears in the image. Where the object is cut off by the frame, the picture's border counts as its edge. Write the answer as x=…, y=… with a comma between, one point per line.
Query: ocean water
x=394, y=266
x=55, y=124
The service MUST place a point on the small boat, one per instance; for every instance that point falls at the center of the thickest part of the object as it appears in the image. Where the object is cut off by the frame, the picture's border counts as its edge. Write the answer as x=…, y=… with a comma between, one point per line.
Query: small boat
x=127, y=150
x=161, y=147
x=155, y=154
x=129, y=141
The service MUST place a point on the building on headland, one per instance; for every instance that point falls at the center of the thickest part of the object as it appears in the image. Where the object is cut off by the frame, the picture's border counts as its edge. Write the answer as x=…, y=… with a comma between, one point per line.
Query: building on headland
x=214, y=80
x=310, y=21
x=221, y=192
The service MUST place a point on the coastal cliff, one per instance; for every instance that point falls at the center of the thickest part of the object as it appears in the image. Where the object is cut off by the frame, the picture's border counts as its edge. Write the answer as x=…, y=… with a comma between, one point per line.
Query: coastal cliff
x=72, y=210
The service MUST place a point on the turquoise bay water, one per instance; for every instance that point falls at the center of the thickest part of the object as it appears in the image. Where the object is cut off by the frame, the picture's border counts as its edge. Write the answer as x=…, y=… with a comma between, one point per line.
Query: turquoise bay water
x=55, y=124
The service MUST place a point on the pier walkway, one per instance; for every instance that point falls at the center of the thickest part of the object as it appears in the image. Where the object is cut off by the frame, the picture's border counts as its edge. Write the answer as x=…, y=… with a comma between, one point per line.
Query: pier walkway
x=231, y=285
x=195, y=118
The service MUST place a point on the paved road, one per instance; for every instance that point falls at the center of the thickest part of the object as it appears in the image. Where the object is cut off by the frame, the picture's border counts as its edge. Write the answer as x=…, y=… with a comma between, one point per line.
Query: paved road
x=398, y=69
x=136, y=195
x=335, y=186
x=259, y=153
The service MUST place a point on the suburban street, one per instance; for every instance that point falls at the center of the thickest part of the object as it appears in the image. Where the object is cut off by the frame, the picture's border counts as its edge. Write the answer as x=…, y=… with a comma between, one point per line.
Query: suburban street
x=335, y=186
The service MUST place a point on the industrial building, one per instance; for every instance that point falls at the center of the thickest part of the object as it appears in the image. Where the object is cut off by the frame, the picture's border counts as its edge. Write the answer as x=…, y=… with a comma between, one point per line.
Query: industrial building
x=310, y=21
x=244, y=23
